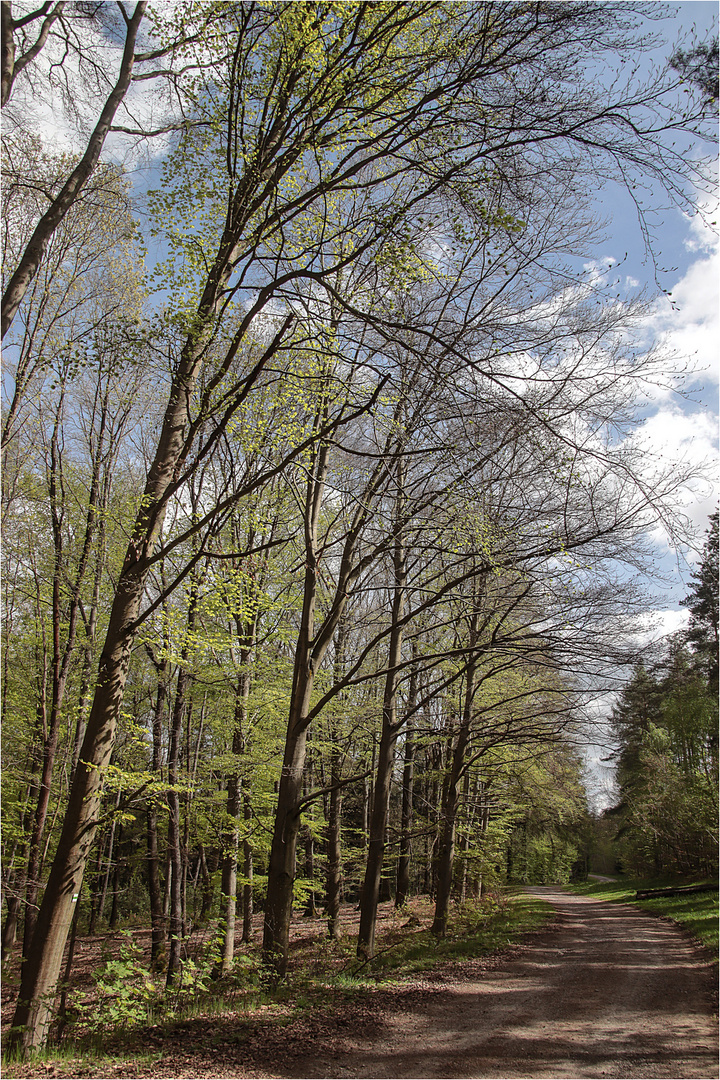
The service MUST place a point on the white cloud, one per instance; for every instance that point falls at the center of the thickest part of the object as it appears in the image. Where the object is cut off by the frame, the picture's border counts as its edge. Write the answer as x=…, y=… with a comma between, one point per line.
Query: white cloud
x=661, y=622
x=704, y=232
x=686, y=323
x=687, y=441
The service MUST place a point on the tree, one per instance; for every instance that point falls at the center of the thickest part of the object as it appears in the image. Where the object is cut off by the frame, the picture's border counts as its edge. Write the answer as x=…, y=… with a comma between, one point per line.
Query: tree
x=667, y=757
x=314, y=119
x=699, y=67
x=32, y=256
x=702, y=602
x=67, y=31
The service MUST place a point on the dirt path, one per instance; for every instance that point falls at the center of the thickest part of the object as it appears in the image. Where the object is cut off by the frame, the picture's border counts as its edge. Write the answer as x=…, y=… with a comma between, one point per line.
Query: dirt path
x=606, y=992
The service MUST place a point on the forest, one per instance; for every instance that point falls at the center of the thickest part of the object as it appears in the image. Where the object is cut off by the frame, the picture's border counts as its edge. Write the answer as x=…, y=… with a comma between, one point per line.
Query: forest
x=327, y=519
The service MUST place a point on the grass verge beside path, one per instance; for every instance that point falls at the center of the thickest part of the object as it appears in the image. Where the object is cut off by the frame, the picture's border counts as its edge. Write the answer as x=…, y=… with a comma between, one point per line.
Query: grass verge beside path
x=475, y=930
x=695, y=912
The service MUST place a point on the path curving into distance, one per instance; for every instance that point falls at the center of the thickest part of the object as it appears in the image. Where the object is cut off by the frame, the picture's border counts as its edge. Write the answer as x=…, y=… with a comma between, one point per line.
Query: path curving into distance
x=606, y=991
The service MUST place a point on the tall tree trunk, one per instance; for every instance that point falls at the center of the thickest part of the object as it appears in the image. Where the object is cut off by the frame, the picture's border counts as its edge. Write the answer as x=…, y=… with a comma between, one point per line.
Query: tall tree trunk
x=110, y=856
x=9, y=931
x=462, y=876
x=451, y=792
x=247, y=928
x=94, y=882
x=207, y=891
x=180, y=713
x=390, y=730
x=116, y=881
x=334, y=848
x=403, y=867
x=62, y=1010
x=42, y=968
x=310, y=909
x=62, y=653
x=157, y=920
x=281, y=866
x=234, y=797
x=333, y=884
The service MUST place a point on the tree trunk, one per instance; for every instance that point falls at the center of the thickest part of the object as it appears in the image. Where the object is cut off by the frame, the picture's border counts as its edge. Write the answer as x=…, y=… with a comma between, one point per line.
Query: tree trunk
x=247, y=930
x=116, y=882
x=334, y=852
x=9, y=932
x=390, y=731
x=461, y=878
x=403, y=868
x=42, y=969
x=369, y=896
x=62, y=1010
x=281, y=866
x=310, y=910
x=110, y=855
x=451, y=789
x=94, y=891
x=61, y=204
x=180, y=710
x=207, y=892
x=234, y=799
x=157, y=920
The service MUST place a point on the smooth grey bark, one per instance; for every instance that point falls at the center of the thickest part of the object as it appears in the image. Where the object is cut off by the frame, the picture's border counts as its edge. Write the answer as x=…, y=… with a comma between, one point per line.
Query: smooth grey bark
x=180, y=716
x=333, y=835
x=247, y=901
x=157, y=919
x=333, y=886
x=235, y=792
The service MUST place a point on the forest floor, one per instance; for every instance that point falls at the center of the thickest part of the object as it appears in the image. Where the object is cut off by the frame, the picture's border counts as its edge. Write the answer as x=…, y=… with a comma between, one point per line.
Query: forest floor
x=604, y=990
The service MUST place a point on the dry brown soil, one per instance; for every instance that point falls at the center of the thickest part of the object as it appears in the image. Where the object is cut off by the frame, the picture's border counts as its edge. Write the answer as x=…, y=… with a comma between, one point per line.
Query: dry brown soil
x=608, y=991
x=605, y=991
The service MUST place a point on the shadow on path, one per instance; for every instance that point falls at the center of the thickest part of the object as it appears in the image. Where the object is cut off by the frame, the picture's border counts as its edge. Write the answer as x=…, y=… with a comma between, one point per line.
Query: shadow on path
x=608, y=991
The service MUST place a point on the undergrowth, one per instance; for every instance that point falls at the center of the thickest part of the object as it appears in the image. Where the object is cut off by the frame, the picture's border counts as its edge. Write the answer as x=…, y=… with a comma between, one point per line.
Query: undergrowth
x=129, y=1002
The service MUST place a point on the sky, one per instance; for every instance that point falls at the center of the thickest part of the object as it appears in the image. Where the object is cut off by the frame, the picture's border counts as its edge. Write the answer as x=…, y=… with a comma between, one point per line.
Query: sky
x=680, y=419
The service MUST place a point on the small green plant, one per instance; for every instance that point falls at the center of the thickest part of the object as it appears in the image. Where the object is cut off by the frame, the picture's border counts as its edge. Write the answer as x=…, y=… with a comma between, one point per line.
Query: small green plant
x=126, y=992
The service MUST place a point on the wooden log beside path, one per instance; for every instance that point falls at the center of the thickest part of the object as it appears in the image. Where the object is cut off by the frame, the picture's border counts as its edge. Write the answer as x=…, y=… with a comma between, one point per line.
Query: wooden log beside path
x=677, y=890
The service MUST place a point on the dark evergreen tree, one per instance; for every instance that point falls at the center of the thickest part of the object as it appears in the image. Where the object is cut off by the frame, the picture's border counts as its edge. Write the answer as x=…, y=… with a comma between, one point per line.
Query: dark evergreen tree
x=702, y=602
x=699, y=66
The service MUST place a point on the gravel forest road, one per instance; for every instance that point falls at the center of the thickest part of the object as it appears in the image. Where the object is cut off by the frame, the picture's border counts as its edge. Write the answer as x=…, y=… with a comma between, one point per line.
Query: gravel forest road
x=606, y=991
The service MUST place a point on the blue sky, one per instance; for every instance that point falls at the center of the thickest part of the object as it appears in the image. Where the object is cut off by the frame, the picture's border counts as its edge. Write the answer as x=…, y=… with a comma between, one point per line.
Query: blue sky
x=687, y=265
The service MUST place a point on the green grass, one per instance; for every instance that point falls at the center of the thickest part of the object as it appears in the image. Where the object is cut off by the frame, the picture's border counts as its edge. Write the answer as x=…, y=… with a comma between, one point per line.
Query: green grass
x=474, y=931
x=696, y=912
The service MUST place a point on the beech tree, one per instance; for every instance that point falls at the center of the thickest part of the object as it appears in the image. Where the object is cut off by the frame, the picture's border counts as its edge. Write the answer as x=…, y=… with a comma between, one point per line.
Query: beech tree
x=72, y=40
x=332, y=153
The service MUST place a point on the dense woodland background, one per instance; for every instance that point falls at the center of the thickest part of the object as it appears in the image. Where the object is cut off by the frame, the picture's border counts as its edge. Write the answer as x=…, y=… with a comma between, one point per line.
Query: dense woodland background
x=324, y=518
